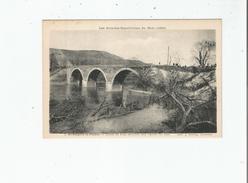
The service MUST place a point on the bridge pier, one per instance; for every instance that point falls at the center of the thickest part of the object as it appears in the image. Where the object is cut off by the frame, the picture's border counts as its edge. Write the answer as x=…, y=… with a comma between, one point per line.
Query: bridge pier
x=108, y=86
x=68, y=75
x=84, y=83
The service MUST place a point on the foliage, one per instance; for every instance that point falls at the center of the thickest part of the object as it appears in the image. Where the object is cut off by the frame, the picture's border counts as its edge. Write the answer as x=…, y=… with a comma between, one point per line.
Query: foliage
x=204, y=52
x=188, y=91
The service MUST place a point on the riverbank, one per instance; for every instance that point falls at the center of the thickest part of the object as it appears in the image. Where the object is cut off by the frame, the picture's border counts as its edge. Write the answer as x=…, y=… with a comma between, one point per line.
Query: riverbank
x=73, y=116
x=147, y=120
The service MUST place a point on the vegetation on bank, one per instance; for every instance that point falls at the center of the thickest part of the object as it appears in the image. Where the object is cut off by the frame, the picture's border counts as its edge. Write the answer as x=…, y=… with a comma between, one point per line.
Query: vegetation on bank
x=189, y=99
x=188, y=94
x=193, y=95
x=73, y=116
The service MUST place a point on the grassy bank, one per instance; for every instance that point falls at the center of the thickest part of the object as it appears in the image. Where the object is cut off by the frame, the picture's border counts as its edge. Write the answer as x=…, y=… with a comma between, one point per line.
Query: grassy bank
x=73, y=116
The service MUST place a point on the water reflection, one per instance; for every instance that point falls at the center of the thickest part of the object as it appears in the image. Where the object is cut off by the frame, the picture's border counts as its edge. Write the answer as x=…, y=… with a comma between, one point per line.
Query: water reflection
x=117, y=97
x=92, y=95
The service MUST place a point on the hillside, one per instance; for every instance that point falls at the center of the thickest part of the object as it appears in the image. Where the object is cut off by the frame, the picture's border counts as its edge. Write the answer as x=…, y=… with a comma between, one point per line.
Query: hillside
x=60, y=58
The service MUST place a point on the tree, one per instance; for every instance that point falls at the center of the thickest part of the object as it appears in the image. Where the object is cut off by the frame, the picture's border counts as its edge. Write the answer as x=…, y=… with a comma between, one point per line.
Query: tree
x=144, y=78
x=188, y=91
x=204, y=52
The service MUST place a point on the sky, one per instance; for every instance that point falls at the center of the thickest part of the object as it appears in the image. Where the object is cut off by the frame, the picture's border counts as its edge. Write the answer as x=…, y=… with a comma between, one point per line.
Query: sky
x=147, y=46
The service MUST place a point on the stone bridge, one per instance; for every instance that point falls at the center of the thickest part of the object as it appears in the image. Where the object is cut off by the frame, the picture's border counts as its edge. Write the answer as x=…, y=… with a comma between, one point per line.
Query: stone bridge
x=85, y=74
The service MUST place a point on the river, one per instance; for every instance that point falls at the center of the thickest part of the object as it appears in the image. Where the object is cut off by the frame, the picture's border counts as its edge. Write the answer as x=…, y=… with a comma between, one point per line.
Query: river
x=147, y=119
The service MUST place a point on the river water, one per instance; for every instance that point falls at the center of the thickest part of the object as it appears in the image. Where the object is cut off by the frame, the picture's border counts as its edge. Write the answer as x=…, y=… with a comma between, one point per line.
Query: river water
x=146, y=119
x=92, y=95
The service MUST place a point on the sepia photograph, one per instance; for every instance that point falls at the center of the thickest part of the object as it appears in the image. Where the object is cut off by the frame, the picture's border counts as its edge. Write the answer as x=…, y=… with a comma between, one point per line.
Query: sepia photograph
x=125, y=91
x=132, y=77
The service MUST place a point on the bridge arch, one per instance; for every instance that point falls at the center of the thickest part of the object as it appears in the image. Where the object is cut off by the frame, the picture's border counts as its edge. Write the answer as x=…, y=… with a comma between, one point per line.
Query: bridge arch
x=76, y=75
x=121, y=74
x=93, y=75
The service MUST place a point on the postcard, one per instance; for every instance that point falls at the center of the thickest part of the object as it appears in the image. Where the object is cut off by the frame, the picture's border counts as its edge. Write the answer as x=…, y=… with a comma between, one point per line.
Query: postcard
x=146, y=78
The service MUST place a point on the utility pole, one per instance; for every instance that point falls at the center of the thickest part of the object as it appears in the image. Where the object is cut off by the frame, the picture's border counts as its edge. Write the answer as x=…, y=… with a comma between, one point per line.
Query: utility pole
x=168, y=55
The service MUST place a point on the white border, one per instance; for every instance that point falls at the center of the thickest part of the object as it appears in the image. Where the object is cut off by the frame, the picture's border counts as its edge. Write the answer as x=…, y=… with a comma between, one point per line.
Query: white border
x=27, y=157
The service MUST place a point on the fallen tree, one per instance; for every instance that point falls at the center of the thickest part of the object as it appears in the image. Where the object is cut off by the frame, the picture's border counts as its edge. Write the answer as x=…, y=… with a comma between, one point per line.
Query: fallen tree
x=188, y=91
